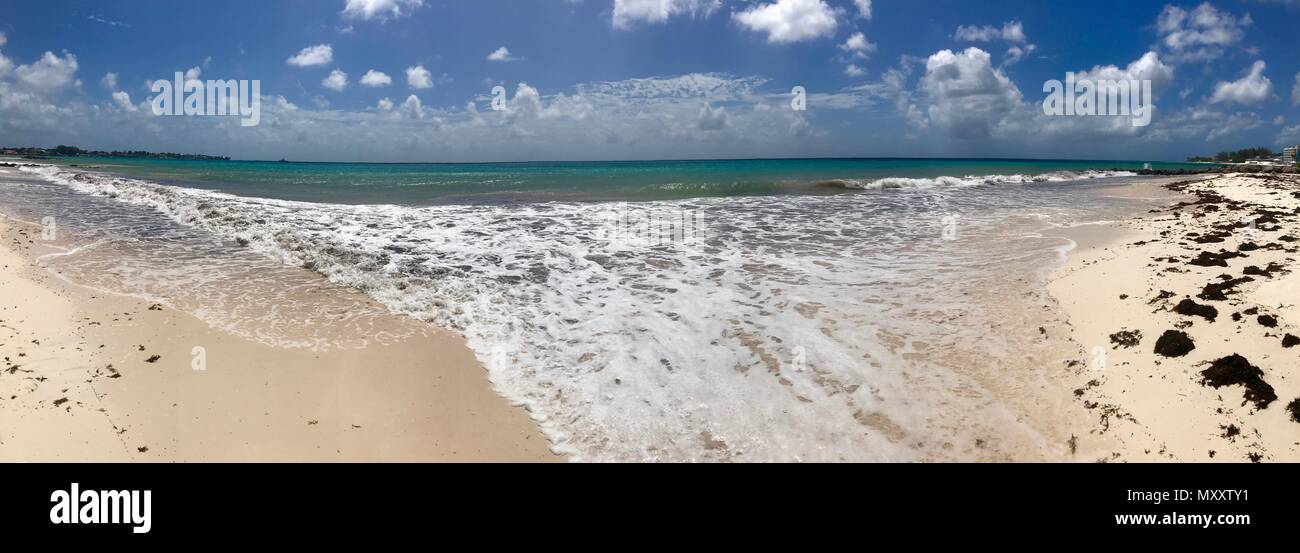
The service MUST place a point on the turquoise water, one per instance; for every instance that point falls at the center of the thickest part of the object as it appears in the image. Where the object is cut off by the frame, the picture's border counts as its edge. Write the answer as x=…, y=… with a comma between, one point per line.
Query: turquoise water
x=436, y=184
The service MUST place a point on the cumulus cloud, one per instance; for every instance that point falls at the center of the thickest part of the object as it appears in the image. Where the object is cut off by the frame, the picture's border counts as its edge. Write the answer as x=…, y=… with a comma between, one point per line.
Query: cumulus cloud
x=5, y=64
x=321, y=54
x=968, y=96
x=635, y=118
x=864, y=8
x=419, y=78
x=787, y=21
x=858, y=46
x=627, y=13
x=337, y=81
x=1253, y=89
x=1202, y=33
x=1011, y=31
x=712, y=119
x=49, y=72
x=376, y=79
x=109, y=81
x=1234, y=124
x=411, y=108
x=1147, y=68
x=853, y=70
x=123, y=101
x=501, y=54
x=379, y=9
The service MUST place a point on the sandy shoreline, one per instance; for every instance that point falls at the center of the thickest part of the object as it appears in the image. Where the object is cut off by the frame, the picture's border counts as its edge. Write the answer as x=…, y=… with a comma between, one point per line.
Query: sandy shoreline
x=1121, y=292
x=94, y=377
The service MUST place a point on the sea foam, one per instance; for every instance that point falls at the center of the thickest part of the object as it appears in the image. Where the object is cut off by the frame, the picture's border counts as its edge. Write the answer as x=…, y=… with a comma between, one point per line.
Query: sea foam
x=795, y=328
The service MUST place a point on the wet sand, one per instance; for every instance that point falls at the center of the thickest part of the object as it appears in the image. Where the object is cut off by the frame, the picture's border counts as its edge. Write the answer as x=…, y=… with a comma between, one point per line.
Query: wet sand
x=89, y=376
x=1185, y=321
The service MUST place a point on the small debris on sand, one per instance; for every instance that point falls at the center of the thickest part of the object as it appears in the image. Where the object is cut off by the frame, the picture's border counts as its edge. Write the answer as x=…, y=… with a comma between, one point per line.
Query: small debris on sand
x=1126, y=338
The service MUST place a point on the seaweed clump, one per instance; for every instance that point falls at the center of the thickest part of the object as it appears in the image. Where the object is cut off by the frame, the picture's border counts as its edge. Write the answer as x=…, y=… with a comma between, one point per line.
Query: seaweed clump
x=1235, y=369
x=1174, y=343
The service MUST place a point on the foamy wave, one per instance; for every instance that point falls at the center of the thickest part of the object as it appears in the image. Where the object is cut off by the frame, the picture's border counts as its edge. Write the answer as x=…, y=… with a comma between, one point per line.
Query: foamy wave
x=973, y=180
x=784, y=334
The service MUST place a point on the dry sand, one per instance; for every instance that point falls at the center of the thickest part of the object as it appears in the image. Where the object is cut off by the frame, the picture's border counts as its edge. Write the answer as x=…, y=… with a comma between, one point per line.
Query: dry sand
x=1130, y=278
x=80, y=382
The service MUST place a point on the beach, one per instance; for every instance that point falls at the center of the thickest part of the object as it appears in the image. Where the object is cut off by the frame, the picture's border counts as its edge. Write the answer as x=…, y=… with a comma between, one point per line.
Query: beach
x=983, y=318
x=95, y=376
x=1185, y=320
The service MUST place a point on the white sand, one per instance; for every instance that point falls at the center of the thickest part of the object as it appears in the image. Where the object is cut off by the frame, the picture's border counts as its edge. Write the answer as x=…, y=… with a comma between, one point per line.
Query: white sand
x=1151, y=407
x=423, y=399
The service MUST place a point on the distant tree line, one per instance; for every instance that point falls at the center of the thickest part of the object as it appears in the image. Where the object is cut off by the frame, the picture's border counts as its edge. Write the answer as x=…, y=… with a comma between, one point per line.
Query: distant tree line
x=1238, y=156
x=73, y=151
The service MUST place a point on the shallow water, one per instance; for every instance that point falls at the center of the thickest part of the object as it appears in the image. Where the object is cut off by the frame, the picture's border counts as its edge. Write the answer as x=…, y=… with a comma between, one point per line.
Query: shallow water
x=897, y=324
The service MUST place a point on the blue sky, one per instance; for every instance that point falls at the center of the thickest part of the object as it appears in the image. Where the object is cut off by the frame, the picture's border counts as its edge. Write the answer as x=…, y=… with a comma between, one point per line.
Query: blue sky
x=629, y=79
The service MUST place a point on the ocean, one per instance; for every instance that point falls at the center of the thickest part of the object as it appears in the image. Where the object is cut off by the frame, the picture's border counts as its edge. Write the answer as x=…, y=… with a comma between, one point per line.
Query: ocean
x=754, y=310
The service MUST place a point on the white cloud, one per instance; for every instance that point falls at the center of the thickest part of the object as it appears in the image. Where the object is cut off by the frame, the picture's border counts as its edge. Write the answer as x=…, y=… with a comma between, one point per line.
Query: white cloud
x=864, y=8
x=501, y=54
x=321, y=54
x=646, y=117
x=49, y=72
x=123, y=101
x=419, y=78
x=1235, y=123
x=411, y=108
x=787, y=21
x=1253, y=89
x=627, y=13
x=379, y=9
x=854, y=71
x=109, y=81
x=376, y=79
x=1017, y=53
x=527, y=103
x=1011, y=31
x=968, y=96
x=1289, y=135
x=1147, y=68
x=858, y=46
x=337, y=81
x=5, y=64
x=1199, y=34
x=712, y=119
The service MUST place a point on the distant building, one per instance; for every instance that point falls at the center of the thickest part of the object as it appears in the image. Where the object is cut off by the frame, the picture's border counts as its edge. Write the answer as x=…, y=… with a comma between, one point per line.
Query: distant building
x=1289, y=155
x=1264, y=162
